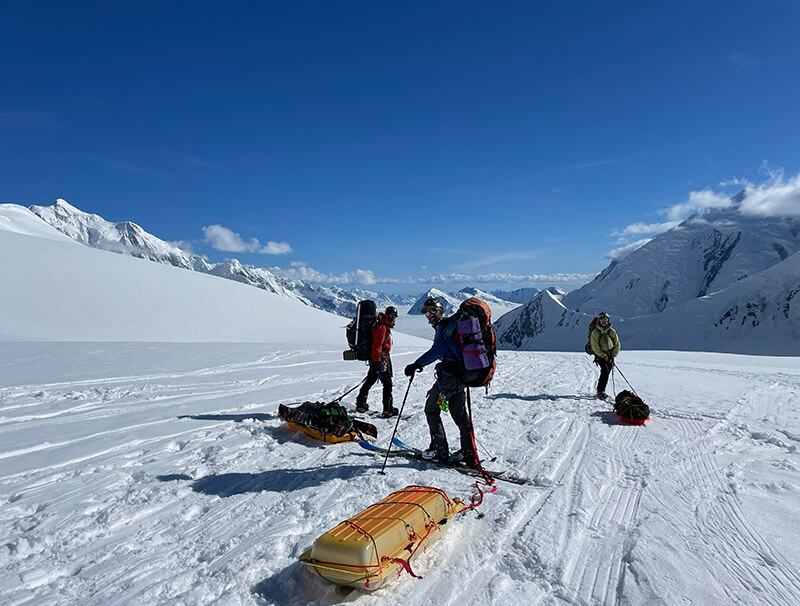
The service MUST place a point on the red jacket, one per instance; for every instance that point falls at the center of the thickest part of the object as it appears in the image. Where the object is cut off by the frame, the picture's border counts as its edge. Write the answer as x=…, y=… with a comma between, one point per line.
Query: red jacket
x=381, y=339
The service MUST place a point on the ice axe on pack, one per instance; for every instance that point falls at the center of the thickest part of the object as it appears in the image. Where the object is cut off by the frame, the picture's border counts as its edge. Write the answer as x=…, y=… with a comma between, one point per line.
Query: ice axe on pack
x=399, y=416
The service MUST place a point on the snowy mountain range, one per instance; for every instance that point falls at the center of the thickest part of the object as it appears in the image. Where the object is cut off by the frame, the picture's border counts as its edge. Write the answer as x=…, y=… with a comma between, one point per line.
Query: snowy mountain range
x=520, y=295
x=129, y=238
x=708, y=252
x=719, y=281
x=451, y=301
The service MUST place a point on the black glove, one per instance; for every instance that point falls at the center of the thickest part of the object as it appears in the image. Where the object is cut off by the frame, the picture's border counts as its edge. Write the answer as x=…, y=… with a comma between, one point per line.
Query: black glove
x=412, y=368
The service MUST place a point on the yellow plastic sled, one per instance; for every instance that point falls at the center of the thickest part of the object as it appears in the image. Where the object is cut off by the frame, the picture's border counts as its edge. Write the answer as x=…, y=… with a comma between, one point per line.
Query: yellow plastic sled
x=351, y=429
x=379, y=543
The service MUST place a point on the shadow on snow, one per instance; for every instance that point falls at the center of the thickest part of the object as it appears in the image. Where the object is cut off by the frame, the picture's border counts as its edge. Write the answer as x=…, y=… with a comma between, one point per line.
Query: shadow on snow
x=293, y=585
x=537, y=398
x=609, y=418
x=256, y=416
x=274, y=480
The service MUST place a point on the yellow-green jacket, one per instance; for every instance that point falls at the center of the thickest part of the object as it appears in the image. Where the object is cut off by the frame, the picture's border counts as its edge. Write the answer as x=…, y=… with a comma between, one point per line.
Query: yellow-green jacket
x=605, y=342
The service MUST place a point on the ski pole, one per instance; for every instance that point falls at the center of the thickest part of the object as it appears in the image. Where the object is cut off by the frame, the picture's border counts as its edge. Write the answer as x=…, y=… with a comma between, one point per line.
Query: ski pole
x=626, y=380
x=486, y=452
x=399, y=416
x=348, y=391
x=613, y=383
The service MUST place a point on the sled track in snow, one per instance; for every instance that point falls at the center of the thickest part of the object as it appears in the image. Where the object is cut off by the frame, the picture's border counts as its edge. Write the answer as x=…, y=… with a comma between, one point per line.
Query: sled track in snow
x=596, y=571
x=731, y=542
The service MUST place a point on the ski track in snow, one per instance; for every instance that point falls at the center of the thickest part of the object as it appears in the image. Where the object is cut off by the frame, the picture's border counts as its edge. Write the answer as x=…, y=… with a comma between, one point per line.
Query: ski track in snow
x=183, y=487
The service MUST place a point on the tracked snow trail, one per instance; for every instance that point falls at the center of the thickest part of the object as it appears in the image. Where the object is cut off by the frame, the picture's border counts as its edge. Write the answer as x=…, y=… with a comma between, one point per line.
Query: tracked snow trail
x=166, y=478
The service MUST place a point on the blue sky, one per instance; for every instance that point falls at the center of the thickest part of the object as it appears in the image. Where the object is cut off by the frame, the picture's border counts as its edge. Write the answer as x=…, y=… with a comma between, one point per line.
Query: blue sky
x=399, y=145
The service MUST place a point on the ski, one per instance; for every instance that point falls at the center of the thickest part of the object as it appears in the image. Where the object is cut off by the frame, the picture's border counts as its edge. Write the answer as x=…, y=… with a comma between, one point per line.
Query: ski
x=375, y=414
x=498, y=475
x=408, y=452
x=365, y=428
x=378, y=450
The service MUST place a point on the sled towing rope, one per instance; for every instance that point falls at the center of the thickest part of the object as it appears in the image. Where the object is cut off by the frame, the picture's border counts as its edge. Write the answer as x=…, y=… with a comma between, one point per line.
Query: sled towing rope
x=488, y=481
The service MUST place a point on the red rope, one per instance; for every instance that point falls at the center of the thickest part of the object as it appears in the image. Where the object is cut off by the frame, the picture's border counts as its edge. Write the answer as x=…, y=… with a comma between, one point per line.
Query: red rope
x=477, y=498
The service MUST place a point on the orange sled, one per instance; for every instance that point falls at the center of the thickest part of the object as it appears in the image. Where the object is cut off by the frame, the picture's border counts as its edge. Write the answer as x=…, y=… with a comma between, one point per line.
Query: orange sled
x=379, y=543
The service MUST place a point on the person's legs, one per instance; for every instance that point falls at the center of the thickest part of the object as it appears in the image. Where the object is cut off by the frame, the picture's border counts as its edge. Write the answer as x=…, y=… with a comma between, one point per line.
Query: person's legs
x=605, y=370
x=434, y=416
x=361, y=398
x=386, y=379
x=459, y=413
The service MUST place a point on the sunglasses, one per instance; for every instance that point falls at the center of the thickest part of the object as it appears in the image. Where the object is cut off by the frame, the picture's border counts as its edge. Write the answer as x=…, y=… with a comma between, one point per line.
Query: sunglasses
x=432, y=313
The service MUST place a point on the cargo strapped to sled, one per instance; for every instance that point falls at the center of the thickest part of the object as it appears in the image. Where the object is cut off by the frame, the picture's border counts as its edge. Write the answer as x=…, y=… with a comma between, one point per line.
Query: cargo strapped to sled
x=365, y=550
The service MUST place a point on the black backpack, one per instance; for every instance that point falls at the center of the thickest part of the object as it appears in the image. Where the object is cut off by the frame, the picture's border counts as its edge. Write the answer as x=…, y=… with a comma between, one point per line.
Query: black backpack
x=472, y=324
x=325, y=417
x=359, y=331
x=630, y=406
x=588, y=349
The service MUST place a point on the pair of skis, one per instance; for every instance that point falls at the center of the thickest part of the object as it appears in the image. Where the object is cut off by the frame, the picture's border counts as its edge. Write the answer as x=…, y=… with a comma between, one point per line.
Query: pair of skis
x=401, y=449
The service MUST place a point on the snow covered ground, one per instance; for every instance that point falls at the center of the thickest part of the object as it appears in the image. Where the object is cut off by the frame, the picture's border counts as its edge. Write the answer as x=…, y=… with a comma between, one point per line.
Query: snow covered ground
x=158, y=472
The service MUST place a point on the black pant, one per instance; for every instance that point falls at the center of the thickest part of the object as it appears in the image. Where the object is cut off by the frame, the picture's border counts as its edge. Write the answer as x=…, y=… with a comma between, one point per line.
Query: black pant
x=455, y=391
x=605, y=370
x=372, y=377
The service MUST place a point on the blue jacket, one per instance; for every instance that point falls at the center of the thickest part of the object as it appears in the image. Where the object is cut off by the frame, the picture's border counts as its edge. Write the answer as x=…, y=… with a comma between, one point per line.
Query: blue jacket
x=444, y=348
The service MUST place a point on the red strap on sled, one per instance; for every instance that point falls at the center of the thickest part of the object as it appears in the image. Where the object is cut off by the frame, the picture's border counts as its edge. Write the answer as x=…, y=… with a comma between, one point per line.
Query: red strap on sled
x=404, y=563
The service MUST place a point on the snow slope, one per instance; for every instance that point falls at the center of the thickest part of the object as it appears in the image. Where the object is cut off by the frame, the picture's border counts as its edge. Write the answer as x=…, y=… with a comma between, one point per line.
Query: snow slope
x=60, y=290
x=708, y=252
x=160, y=474
x=759, y=314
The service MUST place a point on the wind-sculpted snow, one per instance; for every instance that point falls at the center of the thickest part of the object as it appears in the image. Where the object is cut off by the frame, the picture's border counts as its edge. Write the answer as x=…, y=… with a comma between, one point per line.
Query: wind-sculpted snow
x=161, y=474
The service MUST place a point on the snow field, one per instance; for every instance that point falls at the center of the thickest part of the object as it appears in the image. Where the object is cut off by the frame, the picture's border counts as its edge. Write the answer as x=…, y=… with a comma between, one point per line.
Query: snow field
x=148, y=474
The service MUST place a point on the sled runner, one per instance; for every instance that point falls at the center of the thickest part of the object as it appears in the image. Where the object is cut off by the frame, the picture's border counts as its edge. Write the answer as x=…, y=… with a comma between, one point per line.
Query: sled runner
x=630, y=408
x=328, y=422
x=379, y=543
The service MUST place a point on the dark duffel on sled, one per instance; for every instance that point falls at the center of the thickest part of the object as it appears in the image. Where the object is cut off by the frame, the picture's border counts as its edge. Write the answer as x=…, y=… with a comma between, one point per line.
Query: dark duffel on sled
x=630, y=408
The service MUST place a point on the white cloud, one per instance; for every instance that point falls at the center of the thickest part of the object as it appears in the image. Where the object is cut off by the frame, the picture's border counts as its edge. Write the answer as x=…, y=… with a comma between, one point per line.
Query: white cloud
x=622, y=252
x=300, y=271
x=698, y=200
x=365, y=276
x=276, y=248
x=774, y=198
x=186, y=246
x=638, y=229
x=741, y=60
x=777, y=198
x=491, y=278
x=493, y=259
x=226, y=240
